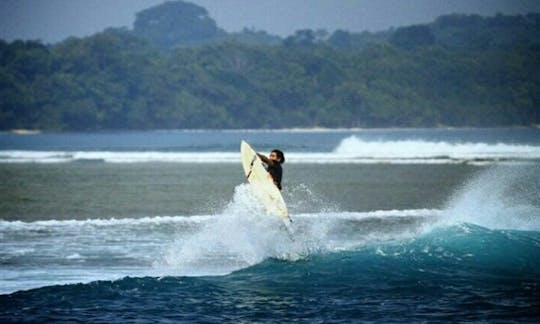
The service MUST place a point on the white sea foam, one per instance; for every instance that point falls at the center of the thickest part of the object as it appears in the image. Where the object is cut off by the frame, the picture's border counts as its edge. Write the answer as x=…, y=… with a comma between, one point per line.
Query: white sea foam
x=49, y=252
x=412, y=213
x=351, y=149
x=240, y=236
x=18, y=225
x=354, y=147
x=246, y=203
x=498, y=198
x=243, y=236
x=117, y=157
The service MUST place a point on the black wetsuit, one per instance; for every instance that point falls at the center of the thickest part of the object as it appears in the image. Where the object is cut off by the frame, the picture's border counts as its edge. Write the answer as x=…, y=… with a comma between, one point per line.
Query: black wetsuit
x=276, y=172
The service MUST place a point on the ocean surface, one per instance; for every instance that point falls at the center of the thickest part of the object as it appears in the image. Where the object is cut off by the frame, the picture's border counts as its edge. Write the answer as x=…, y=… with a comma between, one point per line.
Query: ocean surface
x=390, y=225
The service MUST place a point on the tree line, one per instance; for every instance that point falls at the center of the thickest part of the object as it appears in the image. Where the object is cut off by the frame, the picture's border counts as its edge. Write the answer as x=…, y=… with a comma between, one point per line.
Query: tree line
x=457, y=71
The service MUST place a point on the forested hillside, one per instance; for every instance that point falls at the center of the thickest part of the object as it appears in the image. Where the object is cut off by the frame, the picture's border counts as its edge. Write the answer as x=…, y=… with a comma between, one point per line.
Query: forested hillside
x=457, y=71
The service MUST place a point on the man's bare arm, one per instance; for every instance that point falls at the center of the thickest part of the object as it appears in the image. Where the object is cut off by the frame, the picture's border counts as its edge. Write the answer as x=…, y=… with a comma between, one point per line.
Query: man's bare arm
x=265, y=159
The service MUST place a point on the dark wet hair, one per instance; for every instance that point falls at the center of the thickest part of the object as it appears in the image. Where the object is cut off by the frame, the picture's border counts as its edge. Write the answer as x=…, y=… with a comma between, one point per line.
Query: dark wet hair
x=280, y=155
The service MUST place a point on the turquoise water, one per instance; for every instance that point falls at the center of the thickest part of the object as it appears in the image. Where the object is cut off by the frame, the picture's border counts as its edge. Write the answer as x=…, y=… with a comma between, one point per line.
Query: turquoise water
x=390, y=226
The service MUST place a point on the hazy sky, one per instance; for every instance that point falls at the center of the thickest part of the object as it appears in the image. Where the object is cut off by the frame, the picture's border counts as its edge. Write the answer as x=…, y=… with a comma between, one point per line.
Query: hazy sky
x=54, y=20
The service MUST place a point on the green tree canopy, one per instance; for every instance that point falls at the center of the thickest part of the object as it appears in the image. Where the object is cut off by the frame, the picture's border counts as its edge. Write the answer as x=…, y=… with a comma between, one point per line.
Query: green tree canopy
x=176, y=23
x=427, y=75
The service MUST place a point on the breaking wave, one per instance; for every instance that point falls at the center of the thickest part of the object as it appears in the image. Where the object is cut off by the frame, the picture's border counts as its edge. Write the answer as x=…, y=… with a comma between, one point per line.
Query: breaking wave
x=351, y=149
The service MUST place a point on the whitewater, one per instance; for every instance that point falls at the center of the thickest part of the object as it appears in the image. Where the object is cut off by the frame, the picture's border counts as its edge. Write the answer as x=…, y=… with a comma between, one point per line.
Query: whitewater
x=398, y=146
x=389, y=226
x=50, y=252
x=350, y=150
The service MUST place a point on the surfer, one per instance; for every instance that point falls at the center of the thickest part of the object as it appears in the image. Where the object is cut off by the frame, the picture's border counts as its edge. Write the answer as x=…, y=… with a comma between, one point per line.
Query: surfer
x=273, y=165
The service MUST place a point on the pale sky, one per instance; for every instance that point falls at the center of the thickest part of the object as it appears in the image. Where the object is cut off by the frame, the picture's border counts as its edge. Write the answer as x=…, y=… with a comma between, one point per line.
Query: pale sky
x=54, y=20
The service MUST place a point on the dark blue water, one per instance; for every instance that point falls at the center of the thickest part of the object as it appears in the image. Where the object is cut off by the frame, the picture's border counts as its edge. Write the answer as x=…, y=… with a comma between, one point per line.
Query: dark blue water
x=459, y=273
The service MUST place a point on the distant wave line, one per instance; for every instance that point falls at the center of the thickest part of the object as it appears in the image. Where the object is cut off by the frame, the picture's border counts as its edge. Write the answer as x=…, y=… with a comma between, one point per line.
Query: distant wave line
x=156, y=220
x=371, y=154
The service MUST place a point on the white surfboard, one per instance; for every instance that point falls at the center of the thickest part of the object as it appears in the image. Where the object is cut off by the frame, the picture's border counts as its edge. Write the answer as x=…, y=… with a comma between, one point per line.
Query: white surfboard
x=262, y=184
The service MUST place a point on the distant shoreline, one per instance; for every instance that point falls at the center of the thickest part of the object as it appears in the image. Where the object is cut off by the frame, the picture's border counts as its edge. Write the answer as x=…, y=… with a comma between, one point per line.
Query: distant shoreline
x=261, y=130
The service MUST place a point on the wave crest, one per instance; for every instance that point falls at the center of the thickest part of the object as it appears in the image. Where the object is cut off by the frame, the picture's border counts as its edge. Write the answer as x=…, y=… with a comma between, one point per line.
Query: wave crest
x=353, y=146
x=351, y=149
